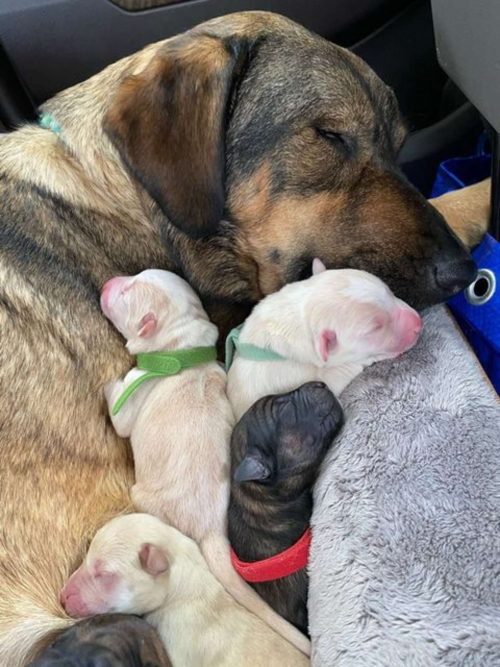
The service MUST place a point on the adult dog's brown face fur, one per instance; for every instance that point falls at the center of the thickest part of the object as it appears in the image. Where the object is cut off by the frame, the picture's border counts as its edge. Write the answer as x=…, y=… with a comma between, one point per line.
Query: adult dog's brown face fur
x=266, y=146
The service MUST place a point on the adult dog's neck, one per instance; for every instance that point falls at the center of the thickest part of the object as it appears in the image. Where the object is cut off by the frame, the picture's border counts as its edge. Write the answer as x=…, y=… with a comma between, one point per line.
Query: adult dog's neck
x=81, y=167
x=79, y=163
x=80, y=170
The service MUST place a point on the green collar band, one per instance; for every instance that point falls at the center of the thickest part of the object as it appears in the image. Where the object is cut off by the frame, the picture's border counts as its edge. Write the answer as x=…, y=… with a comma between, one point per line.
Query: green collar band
x=247, y=350
x=165, y=364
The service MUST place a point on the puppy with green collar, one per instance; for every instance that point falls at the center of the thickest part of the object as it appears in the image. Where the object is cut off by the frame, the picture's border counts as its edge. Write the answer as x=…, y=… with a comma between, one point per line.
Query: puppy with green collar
x=327, y=328
x=174, y=408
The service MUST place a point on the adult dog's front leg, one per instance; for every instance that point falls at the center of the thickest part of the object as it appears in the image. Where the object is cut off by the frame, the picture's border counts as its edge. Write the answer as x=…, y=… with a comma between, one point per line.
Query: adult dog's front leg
x=467, y=211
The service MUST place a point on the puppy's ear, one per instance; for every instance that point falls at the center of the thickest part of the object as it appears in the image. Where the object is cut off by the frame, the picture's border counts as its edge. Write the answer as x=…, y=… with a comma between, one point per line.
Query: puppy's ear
x=168, y=124
x=153, y=560
x=147, y=325
x=317, y=266
x=327, y=342
x=253, y=468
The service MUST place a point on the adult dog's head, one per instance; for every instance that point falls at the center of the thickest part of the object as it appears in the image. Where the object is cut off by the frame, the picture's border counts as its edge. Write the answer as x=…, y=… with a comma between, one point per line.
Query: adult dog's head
x=266, y=146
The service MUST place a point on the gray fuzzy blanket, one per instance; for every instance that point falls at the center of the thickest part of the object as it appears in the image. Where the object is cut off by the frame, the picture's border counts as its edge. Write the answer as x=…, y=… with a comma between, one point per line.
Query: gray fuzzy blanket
x=405, y=561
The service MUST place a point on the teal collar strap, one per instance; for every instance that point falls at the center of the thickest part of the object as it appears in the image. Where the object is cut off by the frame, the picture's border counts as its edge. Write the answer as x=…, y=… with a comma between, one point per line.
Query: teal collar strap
x=48, y=122
x=165, y=364
x=247, y=350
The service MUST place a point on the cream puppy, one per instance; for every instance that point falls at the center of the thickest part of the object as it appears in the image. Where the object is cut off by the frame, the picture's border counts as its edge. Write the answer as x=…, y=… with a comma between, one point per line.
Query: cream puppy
x=137, y=564
x=328, y=328
x=180, y=426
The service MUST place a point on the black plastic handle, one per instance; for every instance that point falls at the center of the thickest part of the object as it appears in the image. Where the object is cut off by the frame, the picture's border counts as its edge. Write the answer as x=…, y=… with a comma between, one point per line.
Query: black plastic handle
x=495, y=186
x=16, y=106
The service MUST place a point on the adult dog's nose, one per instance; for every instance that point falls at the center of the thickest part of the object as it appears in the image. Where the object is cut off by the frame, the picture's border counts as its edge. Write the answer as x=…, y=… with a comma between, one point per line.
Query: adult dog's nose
x=453, y=277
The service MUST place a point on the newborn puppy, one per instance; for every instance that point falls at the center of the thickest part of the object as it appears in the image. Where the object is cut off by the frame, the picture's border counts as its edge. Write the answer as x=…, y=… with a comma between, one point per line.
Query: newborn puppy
x=139, y=565
x=277, y=448
x=106, y=641
x=180, y=426
x=328, y=328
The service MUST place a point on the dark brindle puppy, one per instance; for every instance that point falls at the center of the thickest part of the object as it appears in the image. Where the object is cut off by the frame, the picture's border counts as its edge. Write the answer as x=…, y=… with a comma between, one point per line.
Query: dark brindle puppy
x=233, y=154
x=106, y=641
x=276, y=451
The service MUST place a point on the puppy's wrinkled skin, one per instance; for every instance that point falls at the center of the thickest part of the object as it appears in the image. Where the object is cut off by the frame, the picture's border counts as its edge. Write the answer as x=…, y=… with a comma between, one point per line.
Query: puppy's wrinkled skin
x=137, y=564
x=180, y=426
x=277, y=448
x=107, y=641
x=223, y=155
x=328, y=327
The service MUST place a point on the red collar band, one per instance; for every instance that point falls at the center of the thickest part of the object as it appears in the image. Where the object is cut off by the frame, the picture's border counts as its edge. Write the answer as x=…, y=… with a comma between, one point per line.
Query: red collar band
x=281, y=565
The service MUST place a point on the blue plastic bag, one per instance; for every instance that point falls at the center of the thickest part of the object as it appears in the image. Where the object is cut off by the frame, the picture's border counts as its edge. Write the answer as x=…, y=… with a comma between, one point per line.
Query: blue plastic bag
x=477, y=309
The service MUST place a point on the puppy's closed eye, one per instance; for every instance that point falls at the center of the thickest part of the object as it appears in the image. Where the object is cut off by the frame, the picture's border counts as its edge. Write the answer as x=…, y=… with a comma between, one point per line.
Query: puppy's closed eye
x=104, y=577
x=378, y=323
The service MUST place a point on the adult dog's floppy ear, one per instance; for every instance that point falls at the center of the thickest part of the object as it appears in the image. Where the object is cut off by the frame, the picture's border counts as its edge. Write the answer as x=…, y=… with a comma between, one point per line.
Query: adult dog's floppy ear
x=168, y=124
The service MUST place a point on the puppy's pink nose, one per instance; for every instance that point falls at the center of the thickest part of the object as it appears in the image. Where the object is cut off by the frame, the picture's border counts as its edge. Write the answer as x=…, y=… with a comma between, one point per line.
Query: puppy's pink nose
x=411, y=320
x=409, y=326
x=110, y=288
x=72, y=603
x=67, y=591
x=64, y=596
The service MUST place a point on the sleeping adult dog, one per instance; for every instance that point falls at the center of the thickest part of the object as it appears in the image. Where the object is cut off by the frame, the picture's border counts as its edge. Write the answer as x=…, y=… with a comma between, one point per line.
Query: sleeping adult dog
x=233, y=154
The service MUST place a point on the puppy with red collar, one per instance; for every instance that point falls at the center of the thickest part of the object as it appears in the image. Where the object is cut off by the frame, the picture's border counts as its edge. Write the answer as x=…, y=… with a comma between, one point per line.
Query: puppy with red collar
x=325, y=329
x=277, y=448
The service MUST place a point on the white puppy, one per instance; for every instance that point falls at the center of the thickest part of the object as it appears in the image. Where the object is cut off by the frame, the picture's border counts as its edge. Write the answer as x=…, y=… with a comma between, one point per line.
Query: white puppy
x=137, y=564
x=180, y=426
x=328, y=328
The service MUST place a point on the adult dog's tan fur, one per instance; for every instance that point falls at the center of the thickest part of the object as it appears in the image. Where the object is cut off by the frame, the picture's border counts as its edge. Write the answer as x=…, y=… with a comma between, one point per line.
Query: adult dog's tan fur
x=74, y=212
x=467, y=211
x=63, y=469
